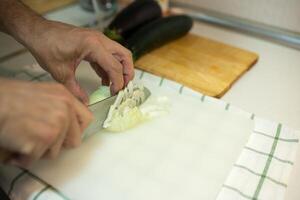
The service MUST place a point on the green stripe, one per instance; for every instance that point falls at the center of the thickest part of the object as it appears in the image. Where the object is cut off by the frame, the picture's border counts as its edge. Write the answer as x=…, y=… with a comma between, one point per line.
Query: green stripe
x=181, y=89
x=13, y=54
x=47, y=184
x=265, y=154
x=161, y=81
x=203, y=98
x=38, y=77
x=252, y=116
x=237, y=191
x=41, y=192
x=25, y=72
x=281, y=139
x=227, y=106
x=13, y=182
x=268, y=163
x=258, y=174
x=142, y=74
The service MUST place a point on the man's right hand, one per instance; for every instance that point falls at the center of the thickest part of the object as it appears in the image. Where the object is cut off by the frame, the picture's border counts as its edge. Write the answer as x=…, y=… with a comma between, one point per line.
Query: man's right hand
x=38, y=119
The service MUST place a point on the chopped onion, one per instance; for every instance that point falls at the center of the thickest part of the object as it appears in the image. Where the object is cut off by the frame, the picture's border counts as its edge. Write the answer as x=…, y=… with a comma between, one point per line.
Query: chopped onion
x=128, y=110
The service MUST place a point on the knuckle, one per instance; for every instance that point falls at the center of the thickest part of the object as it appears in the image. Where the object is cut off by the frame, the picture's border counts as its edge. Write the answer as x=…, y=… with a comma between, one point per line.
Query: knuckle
x=60, y=116
x=27, y=148
x=49, y=135
x=66, y=102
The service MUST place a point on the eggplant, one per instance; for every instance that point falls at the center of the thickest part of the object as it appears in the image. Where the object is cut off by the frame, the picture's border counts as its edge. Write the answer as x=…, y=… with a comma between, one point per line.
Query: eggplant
x=131, y=18
x=158, y=33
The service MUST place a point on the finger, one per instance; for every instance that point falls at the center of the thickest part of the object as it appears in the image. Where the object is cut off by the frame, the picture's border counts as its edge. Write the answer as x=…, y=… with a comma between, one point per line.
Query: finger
x=113, y=68
x=57, y=88
x=101, y=73
x=22, y=144
x=128, y=68
x=42, y=142
x=54, y=150
x=73, y=137
x=124, y=56
x=73, y=86
x=83, y=115
x=39, y=136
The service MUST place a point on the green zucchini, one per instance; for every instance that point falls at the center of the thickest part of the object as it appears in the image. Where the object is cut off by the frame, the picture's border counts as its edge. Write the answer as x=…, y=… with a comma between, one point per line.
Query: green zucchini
x=135, y=15
x=158, y=33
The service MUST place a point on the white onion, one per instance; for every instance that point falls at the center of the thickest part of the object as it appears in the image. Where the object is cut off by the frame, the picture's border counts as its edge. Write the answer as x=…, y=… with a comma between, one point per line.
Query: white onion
x=126, y=111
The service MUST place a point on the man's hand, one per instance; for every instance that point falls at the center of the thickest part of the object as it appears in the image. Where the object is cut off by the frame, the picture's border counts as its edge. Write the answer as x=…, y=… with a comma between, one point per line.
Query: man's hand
x=60, y=48
x=38, y=119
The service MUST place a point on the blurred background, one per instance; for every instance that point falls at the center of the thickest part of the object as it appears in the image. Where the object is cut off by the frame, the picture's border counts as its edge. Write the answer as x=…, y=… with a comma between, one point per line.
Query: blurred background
x=282, y=14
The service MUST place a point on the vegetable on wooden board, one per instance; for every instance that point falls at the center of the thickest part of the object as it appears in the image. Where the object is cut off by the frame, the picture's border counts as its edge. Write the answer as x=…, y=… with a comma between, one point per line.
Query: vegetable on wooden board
x=158, y=33
x=131, y=18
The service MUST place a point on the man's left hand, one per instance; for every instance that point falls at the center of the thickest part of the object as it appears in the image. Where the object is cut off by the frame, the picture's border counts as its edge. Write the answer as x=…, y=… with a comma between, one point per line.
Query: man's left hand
x=59, y=48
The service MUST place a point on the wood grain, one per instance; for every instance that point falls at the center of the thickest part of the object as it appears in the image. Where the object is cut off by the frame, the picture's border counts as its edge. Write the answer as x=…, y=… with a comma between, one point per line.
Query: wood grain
x=204, y=65
x=43, y=6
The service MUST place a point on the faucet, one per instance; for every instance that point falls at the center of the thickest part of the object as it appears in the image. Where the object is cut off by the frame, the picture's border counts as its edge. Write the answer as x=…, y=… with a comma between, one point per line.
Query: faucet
x=103, y=9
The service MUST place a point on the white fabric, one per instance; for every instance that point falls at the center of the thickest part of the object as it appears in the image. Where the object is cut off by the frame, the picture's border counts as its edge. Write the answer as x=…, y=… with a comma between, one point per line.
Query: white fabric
x=244, y=178
x=186, y=154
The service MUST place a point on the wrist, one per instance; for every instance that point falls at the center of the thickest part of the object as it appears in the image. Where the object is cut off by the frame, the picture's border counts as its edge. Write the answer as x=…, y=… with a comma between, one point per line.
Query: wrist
x=19, y=21
x=29, y=33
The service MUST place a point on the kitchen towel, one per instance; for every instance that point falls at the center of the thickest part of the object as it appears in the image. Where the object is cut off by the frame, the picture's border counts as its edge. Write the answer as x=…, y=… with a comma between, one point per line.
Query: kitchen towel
x=263, y=168
x=260, y=170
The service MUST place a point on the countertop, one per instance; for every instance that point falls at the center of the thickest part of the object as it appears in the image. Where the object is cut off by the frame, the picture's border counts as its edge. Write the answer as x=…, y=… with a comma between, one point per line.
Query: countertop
x=270, y=89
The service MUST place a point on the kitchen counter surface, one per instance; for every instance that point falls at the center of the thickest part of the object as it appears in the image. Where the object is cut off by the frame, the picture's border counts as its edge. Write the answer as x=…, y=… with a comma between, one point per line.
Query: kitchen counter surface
x=270, y=89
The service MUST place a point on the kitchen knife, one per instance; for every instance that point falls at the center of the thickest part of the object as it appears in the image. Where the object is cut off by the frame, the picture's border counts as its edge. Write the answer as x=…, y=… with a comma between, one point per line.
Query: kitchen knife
x=99, y=109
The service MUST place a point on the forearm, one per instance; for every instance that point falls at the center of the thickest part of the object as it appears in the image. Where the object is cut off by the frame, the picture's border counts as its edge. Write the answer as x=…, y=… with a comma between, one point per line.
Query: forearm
x=19, y=21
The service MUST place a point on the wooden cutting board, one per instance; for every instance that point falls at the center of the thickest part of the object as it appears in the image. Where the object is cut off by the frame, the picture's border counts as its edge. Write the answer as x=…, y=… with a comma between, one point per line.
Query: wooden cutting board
x=204, y=65
x=43, y=6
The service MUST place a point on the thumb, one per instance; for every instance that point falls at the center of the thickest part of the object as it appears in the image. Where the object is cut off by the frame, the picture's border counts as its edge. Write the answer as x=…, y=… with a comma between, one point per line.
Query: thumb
x=73, y=86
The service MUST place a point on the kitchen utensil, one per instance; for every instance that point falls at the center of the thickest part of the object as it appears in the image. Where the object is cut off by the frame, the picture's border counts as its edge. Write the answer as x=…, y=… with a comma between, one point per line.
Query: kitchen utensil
x=202, y=64
x=100, y=110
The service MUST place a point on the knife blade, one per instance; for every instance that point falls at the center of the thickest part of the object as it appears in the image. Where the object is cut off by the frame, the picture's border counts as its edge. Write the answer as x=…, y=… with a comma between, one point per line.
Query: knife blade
x=100, y=110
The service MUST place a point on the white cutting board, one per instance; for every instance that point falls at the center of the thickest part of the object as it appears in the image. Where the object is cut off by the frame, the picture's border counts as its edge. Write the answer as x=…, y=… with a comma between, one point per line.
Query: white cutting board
x=186, y=154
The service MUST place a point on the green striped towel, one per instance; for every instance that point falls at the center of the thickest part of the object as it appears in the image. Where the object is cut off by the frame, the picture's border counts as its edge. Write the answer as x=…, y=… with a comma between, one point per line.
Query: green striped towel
x=260, y=170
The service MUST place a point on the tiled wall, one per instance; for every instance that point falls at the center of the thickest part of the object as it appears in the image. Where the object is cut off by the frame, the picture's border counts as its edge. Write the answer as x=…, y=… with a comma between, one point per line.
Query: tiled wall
x=281, y=13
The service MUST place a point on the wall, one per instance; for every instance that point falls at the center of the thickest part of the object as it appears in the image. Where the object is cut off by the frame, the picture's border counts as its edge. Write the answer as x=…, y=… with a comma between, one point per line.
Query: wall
x=280, y=13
